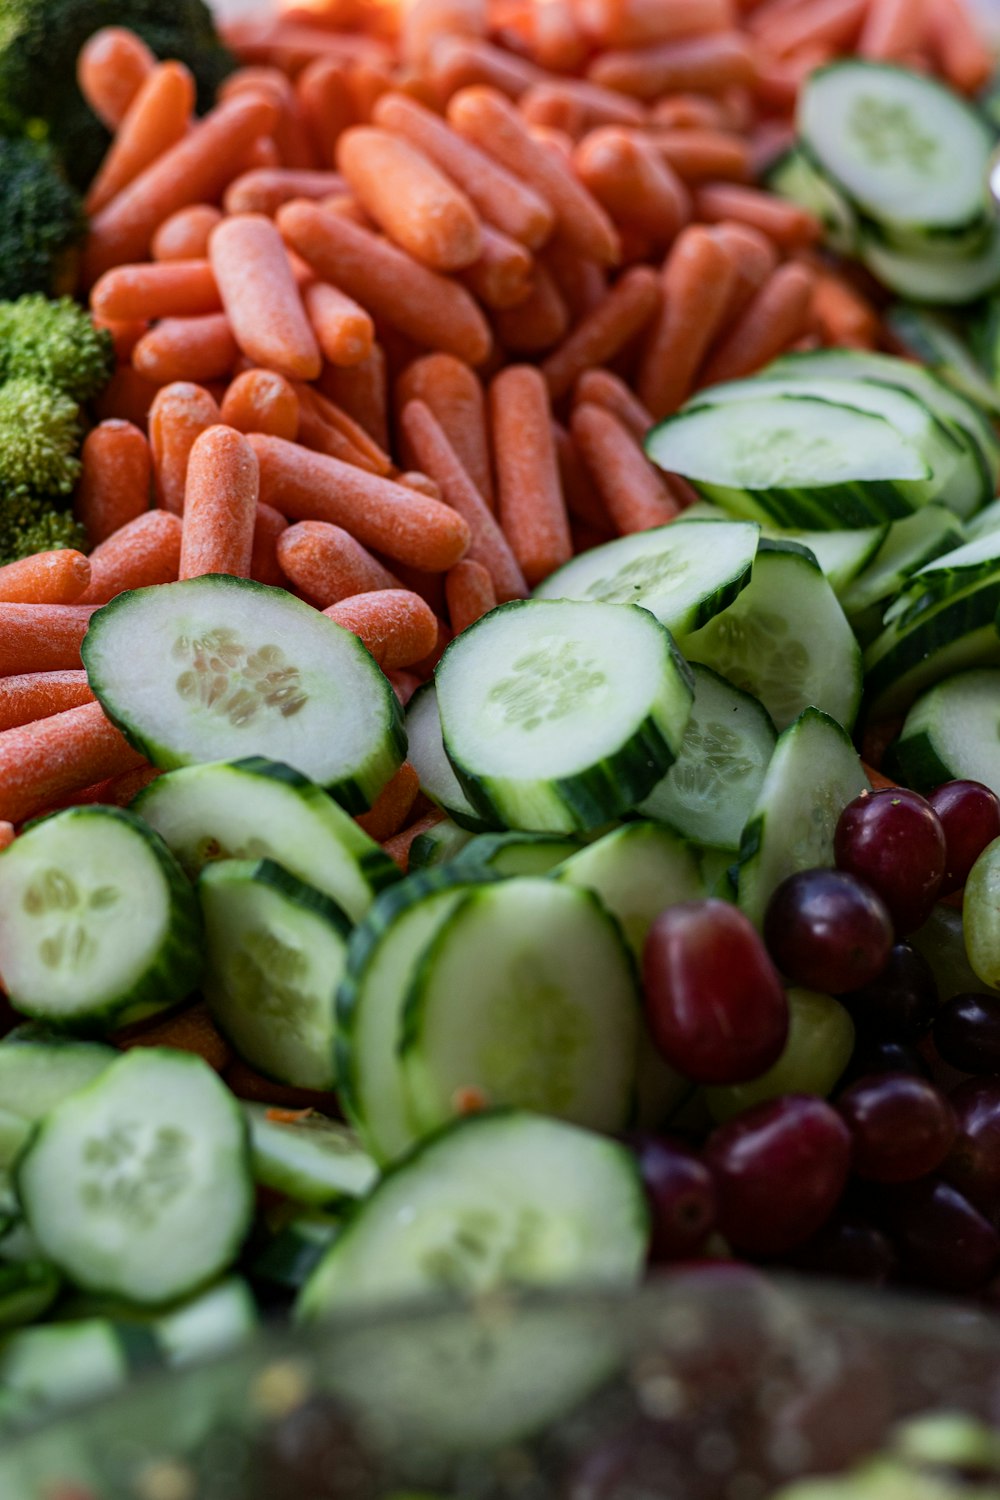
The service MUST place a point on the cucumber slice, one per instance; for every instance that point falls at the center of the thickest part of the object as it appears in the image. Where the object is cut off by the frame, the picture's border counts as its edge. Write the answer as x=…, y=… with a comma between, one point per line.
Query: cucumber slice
x=794, y=460
x=683, y=576
x=14, y=1133
x=314, y=1160
x=710, y=790
x=786, y=640
x=549, y=1022
x=988, y=519
x=515, y=853
x=139, y=1185
x=917, y=650
x=965, y=567
x=794, y=176
x=275, y=953
x=841, y=554
x=98, y=926
x=494, y=1199
x=952, y=733
x=635, y=871
x=438, y=845
x=217, y=668
x=934, y=341
x=293, y=1248
x=561, y=716
x=954, y=283
x=207, y=1325
x=38, y=1069
x=426, y=754
x=911, y=543
x=67, y=1364
x=814, y=772
x=908, y=151
x=27, y=1291
x=258, y=809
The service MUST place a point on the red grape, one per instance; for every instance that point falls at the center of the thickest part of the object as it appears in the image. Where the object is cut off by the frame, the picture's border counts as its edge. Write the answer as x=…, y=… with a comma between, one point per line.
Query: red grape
x=943, y=1240
x=873, y=1055
x=973, y=1165
x=850, y=1247
x=970, y=817
x=779, y=1171
x=893, y=840
x=967, y=1033
x=901, y=1003
x=903, y=1127
x=681, y=1197
x=828, y=930
x=714, y=1000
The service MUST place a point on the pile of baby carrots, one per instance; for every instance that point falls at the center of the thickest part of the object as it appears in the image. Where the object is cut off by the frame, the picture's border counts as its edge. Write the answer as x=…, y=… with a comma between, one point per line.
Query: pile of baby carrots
x=393, y=318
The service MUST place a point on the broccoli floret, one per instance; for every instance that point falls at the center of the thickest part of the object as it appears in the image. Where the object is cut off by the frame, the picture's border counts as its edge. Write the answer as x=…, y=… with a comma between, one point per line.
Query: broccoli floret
x=39, y=43
x=40, y=434
x=41, y=221
x=38, y=526
x=55, y=342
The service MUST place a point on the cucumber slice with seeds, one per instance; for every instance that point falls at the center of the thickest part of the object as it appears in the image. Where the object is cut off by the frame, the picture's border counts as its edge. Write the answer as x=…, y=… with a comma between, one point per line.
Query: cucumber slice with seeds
x=39, y=1069
x=259, y=809
x=636, y=871
x=560, y=716
x=926, y=646
x=952, y=733
x=426, y=754
x=515, y=853
x=314, y=1160
x=98, y=925
x=230, y=668
x=276, y=950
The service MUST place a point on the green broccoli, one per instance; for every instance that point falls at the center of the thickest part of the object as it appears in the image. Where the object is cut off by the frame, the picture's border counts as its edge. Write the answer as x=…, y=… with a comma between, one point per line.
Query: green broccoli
x=40, y=436
x=41, y=220
x=39, y=43
x=55, y=342
x=38, y=526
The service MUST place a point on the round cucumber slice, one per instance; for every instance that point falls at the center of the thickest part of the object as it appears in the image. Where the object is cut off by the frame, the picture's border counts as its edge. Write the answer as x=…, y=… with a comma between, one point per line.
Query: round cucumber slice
x=952, y=733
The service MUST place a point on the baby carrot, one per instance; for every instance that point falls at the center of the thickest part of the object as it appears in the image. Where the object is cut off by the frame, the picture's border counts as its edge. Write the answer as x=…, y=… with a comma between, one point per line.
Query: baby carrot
x=537, y=323
x=419, y=302
x=424, y=22
x=502, y=199
x=427, y=439
x=965, y=59
x=59, y=577
x=470, y=594
x=789, y=226
x=396, y=626
x=688, y=112
x=143, y=552
x=362, y=392
x=602, y=388
x=637, y=23
x=43, y=760
x=220, y=505
x=269, y=527
x=325, y=101
x=124, y=335
x=324, y=428
x=261, y=299
x=157, y=119
x=775, y=318
x=344, y=331
x=460, y=63
x=111, y=68
x=582, y=283
x=44, y=637
x=454, y=394
x=625, y=311
x=531, y=506
x=127, y=397
x=892, y=29
x=164, y=289
x=392, y=519
x=424, y=485
x=583, y=504
x=549, y=107
x=491, y=122
x=36, y=695
x=697, y=282
x=557, y=40
x=827, y=23
x=633, y=493
x=185, y=235
x=410, y=198
x=702, y=65
x=265, y=190
x=115, y=478
x=261, y=401
x=754, y=259
x=629, y=179
x=194, y=171
x=843, y=315
x=8, y=833
x=189, y=1030
x=180, y=413
x=404, y=684
x=501, y=277
x=326, y=564
x=393, y=805
x=703, y=155
x=186, y=349
x=398, y=847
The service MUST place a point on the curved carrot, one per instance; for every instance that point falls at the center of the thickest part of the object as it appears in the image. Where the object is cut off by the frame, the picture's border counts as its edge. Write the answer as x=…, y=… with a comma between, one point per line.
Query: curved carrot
x=185, y=235
x=777, y=316
x=625, y=311
x=43, y=760
x=344, y=330
x=632, y=183
x=220, y=505
x=470, y=594
x=603, y=388
x=633, y=493
x=269, y=527
x=43, y=637
x=59, y=577
x=537, y=323
x=326, y=429
x=180, y=413
x=261, y=299
x=186, y=349
x=322, y=92
x=502, y=276
x=157, y=119
x=697, y=283
x=164, y=289
x=392, y=806
x=454, y=393
x=327, y=565
x=362, y=392
x=789, y=226
x=111, y=68
x=261, y=401
x=396, y=626
x=703, y=65
x=266, y=189
x=36, y=695
x=531, y=506
x=143, y=552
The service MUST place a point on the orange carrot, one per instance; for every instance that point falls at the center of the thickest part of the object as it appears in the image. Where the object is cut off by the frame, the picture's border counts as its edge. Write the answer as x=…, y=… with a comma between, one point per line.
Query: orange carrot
x=583, y=504
x=269, y=527
x=703, y=155
x=826, y=23
x=602, y=388
x=424, y=22
x=44, y=637
x=893, y=28
x=776, y=317
x=157, y=118
x=361, y=391
x=394, y=520
x=633, y=493
x=49, y=757
x=688, y=112
x=454, y=395
x=470, y=594
x=637, y=23
x=502, y=276
x=344, y=331
x=265, y=190
x=491, y=122
x=59, y=577
x=704, y=65
x=8, y=833
x=624, y=313
x=845, y=318
x=396, y=626
x=115, y=478
x=327, y=565
x=194, y=171
x=180, y=414
x=124, y=336
x=112, y=67
x=531, y=505
x=582, y=283
x=628, y=178
x=549, y=107
x=424, y=485
x=427, y=438
x=393, y=286
x=220, y=505
x=261, y=401
x=537, y=323
x=789, y=226
x=459, y=63
x=185, y=235
x=127, y=397
x=261, y=299
x=36, y=695
x=143, y=552
x=557, y=40
x=501, y=198
x=186, y=349
x=964, y=57
x=404, y=684
x=326, y=104
x=165, y=289
x=189, y=1030
x=393, y=804
x=398, y=847
x=697, y=282
x=326, y=429
x=754, y=259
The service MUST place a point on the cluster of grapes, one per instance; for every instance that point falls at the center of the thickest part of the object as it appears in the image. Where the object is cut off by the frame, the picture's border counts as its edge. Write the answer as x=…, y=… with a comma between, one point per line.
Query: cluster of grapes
x=897, y=1176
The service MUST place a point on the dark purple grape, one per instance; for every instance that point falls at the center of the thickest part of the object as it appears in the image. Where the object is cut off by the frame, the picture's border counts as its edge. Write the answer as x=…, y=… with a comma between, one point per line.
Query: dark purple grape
x=848, y=1247
x=967, y=1033
x=973, y=1164
x=902, y=1127
x=714, y=1000
x=779, y=1171
x=893, y=840
x=943, y=1240
x=901, y=1003
x=828, y=931
x=681, y=1196
x=873, y=1055
x=970, y=817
